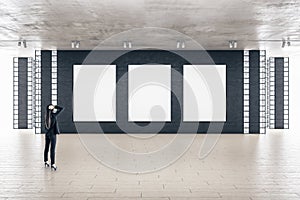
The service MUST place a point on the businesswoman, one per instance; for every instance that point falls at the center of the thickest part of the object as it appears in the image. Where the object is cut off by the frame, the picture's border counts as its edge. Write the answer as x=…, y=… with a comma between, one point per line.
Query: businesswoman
x=52, y=130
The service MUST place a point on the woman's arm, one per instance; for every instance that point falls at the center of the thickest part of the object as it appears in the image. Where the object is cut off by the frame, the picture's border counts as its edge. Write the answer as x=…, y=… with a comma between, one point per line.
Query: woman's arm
x=59, y=109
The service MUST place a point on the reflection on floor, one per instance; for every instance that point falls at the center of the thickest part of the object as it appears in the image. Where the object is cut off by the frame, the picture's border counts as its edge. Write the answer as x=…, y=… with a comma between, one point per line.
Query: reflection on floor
x=240, y=167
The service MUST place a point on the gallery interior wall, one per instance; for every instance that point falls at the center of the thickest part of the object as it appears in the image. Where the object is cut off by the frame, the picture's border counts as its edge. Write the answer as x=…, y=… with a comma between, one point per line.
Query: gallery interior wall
x=66, y=59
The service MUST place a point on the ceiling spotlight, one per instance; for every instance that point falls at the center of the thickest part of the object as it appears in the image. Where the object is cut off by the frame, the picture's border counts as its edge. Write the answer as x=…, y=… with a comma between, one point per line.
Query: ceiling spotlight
x=24, y=44
x=283, y=43
x=235, y=44
x=129, y=45
x=182, y=45
x=232, y=44
x=178, y=44
x=73, y=44
x=124, y=45
x=77, y=44
x=288, y=42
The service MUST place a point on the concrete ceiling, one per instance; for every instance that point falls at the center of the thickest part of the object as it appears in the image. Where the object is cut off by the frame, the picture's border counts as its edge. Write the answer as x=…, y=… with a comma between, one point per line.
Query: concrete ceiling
x=53, y=24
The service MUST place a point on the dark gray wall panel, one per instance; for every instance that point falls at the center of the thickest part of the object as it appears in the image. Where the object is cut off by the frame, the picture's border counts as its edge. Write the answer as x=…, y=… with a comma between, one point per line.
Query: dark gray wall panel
x=65, y=62
x=233, y=60
x=22, y=92
x=254, y=91
x=234, y=88
x=279, y=93
x=46, y=83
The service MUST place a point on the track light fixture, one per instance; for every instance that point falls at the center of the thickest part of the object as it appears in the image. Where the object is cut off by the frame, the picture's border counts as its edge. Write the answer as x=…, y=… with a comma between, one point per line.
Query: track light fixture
x=127, y=44
x=183, y=44
x=24, y=44
x=232, y=44
x=235, y=44
x=283, y=43
x=180, y=44
x=288, y=42
x=75, y=44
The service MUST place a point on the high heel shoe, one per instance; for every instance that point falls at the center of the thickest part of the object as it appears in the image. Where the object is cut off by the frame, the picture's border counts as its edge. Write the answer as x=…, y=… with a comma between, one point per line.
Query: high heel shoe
x=47, y=164
x=53, y=167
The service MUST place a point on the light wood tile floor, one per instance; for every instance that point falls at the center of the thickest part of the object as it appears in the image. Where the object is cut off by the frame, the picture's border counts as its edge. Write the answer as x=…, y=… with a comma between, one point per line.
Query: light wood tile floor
x=241, y=167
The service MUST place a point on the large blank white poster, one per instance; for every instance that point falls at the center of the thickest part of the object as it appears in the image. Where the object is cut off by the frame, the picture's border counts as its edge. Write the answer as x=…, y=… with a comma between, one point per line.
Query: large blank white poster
x=94, y=93
x=204, y=93
x=149, y=92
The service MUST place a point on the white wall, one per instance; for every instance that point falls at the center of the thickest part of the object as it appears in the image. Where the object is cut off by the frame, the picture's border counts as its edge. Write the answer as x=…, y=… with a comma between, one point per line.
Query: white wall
x=6, y=86
x=293, y=53
x=294, y=92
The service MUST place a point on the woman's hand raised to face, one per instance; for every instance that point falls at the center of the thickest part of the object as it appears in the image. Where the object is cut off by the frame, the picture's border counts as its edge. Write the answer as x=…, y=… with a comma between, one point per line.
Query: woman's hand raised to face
x=51, y=107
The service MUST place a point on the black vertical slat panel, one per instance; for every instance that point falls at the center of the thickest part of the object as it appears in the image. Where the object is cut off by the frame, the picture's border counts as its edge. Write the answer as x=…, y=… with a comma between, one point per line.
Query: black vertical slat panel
x=22, y=93
x=279, y=93
x=254, y=91
x=46, y=83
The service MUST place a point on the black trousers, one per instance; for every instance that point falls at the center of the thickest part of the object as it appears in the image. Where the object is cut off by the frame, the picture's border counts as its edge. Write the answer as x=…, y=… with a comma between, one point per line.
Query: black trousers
x=50, y=139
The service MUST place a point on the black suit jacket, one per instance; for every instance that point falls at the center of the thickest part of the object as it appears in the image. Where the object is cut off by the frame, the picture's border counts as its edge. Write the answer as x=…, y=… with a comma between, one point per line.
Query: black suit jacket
x=54, y=129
